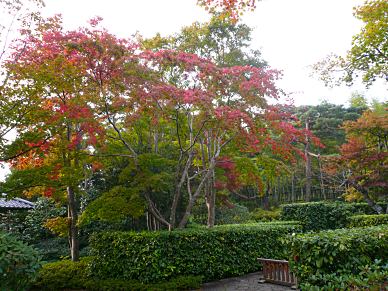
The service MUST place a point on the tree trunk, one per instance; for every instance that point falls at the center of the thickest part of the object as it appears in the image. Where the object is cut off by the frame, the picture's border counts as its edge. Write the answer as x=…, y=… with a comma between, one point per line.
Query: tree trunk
x=178, y=190
x=266, y=197
x=365, y=194
x=293, y=187
x=210, y=196
x=308, y=166
x=211, y=204
x=194, y=197
x=73, y=229
x=323, y=192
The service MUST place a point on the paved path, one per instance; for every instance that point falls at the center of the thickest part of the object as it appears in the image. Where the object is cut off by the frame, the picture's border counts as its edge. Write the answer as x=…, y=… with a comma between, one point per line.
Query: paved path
x=248, y=282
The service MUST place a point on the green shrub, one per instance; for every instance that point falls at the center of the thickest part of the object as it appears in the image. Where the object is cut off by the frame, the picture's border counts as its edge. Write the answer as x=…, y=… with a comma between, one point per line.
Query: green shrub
x=371, y=277
x=368, y=220
x=224, y=215
x=75, y=275
x=364, y=208
x=318, y=215
x=158, y=256
x=260, y=214
x=52, y=249
x=237, y=214
x=340, y=251
x=63, y=274
x=19, y=263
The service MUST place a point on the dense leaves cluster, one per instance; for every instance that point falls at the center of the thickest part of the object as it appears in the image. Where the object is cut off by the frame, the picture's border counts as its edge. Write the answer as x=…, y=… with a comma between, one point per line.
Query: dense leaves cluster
x=19, y=263
x=74, y=275
x=341, y=251
x=318, y=215
x=368, y=220
x=370, y=277
x=157, y=256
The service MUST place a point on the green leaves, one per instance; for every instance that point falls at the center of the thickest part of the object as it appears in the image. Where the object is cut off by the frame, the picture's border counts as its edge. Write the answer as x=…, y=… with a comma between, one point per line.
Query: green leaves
x=115, y=205
x=18, y=263
x=368, y=220
x=224, y=251
x=336, y=251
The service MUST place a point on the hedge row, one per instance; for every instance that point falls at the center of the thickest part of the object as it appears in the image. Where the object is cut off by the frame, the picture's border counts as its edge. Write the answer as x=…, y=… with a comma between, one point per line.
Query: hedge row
x=317, y=216
x=341, y=251
x=75, y=275
x=367, y=220
x=158, y=256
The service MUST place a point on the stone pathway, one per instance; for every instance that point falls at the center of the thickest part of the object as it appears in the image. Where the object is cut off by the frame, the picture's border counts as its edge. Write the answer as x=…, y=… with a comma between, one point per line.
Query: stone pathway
x=248, y=282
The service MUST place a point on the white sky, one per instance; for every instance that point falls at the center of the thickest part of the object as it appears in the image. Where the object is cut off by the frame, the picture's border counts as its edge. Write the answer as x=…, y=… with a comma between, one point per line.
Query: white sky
x=292, y=34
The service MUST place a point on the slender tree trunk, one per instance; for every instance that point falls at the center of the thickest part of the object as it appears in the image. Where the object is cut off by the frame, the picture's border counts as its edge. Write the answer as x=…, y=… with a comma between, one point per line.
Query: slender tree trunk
x=308, y=166
x=73, y=229
x=292, y=187
x=323, y=192
x=266, y=197
x=211, y=203
x=365, y=194
x=210, y=195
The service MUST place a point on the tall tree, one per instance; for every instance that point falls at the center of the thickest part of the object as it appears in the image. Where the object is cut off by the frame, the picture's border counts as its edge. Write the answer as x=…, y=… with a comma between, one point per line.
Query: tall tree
x=368, y=54
x=364, y=157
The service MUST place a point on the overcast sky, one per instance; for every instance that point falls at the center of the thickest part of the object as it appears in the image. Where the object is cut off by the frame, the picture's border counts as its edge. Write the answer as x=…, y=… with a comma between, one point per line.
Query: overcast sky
x=292, y=34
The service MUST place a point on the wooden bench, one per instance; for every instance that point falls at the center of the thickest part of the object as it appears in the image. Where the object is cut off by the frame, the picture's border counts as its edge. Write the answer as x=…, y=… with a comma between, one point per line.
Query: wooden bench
x=277, y=272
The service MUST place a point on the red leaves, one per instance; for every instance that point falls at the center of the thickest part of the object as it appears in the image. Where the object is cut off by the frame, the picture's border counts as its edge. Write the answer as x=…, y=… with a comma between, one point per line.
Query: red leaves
x=49, y=191
x=232, y=8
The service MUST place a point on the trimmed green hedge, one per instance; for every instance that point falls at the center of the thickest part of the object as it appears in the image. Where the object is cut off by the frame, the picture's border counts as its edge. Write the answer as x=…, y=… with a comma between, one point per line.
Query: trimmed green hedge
x=75, y=275
x=221, y=252
x=316, y=216
x=19, y=263
x=368, y=220
x=341, y=251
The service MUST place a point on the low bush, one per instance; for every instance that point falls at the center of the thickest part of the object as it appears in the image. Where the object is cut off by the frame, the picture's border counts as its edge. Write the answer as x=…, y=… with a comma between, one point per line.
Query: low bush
x=341, y=251
x=237, y=214
x=224, y=215
x=63, y=274
x=260, y=214
x=19, y=263
x=316, y=216
x=367, y=220
x=158, y=256
x=75, y=275
x=52, y=249
x=371, y=277
x=364, y=208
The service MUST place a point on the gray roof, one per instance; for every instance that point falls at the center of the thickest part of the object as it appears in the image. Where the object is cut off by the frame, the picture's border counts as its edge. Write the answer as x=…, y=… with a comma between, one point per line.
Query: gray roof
x=16, y=203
